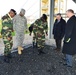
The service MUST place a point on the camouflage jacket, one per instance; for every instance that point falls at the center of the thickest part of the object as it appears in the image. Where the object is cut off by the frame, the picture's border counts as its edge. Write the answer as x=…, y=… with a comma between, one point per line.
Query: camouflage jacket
x=40, y=26
x=20, y=24
x=7, y=24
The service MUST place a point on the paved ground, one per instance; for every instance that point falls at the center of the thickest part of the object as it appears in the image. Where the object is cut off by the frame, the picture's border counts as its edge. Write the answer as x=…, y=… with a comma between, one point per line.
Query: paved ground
x=27, y=42
x=30, y=63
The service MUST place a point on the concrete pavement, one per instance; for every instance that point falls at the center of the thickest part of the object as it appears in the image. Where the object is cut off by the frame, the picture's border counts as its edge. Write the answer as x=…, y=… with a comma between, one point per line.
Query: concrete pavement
x=27, y=42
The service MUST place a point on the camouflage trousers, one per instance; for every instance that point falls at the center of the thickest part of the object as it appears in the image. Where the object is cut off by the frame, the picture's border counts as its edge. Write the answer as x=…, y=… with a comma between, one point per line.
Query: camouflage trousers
x=20, y=38
x=41, y=41
x=7, y=43
x=34, y=38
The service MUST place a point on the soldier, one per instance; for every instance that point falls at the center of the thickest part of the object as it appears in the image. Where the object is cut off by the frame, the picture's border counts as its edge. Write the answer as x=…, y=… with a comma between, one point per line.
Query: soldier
x=40, y=28
x=20, y=25
x=7, y=29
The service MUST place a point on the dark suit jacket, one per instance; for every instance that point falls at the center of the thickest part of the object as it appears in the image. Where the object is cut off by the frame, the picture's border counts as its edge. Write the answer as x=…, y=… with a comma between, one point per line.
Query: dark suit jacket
x=70, y=47
x=59, y=29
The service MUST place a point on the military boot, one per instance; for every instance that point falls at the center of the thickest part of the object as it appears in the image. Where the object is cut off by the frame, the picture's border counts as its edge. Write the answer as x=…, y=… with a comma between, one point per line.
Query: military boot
x=9, y=56
x=19, y=50
x=33, y=44
x=6, y=59
x=40, y=51
x=36, y=44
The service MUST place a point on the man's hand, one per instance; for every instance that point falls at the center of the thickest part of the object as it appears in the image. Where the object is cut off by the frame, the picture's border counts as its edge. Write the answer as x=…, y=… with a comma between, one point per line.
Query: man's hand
x=46, y=34
x=30, y=34
x=9, y=38
x=26, y=31
x=13, y=33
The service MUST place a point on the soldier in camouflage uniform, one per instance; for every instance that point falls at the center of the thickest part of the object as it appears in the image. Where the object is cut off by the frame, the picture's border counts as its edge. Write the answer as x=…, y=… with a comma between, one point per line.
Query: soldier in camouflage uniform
x=39, y=29
x=7, y=29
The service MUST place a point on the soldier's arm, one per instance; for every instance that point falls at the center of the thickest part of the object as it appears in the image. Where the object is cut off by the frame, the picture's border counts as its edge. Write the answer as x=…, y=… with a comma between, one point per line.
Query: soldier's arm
x=46, y=28
x=26, y=27
x=14, y=23
x=35, y=25
x=31, y=28
x=0, y=26
x=3, y=25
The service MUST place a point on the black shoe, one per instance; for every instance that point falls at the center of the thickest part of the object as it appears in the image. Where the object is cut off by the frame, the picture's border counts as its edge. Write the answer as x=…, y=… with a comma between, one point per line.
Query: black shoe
x=6, y=59
x=40, y=51
x=55, y=48
x=69, y=66
x=65, y=64
x=58, y=49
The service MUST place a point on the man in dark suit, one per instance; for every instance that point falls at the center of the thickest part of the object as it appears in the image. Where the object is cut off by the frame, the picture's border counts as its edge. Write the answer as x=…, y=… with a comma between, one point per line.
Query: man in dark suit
x=69, y=46
x=59, y=30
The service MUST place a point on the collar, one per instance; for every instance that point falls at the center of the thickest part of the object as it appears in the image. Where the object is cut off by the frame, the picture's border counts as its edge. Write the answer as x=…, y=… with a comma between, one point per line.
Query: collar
x=9, y=16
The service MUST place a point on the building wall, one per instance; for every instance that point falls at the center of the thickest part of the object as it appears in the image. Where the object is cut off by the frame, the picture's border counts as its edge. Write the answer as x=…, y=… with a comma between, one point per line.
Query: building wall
x=44, y=6
x=59, y=6
x=52, y=7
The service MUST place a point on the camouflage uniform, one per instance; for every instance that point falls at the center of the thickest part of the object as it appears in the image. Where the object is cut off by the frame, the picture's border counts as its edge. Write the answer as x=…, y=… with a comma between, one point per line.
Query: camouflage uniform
x=20, y=26
x=34, y=39
x=7, y=28
x=39, y=30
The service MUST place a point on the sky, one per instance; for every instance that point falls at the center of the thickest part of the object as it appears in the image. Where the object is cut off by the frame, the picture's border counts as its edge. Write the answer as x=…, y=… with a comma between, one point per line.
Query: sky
x=71, y=5
x=31, y=6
